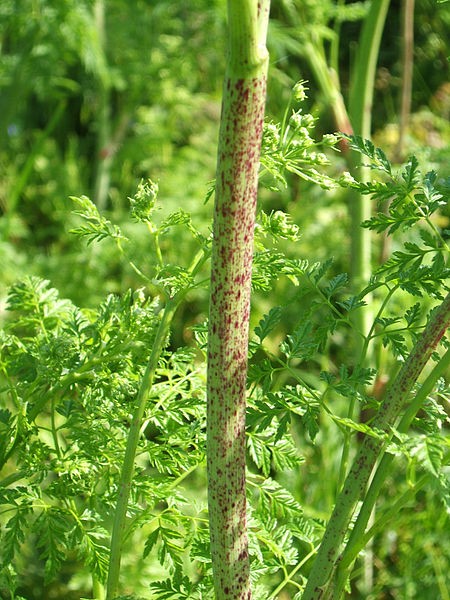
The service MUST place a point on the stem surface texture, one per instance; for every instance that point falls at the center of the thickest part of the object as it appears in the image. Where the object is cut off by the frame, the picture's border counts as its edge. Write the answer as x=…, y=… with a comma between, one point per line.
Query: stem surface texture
x=320, y=582
x=232, y=254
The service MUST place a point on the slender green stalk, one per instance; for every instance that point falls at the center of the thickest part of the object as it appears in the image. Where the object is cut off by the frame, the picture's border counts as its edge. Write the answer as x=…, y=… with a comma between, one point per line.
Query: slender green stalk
x=357, y=539
x=328, y=82
x=356, y=119
x=391, y=513
x=120, y=520
x=243, y=105
x=407, y=73
x=289, y=577
x=360, y=113
x=361, y=91
x=320, y=583
x=104, y=157
x=119, y=524
x=108, y=139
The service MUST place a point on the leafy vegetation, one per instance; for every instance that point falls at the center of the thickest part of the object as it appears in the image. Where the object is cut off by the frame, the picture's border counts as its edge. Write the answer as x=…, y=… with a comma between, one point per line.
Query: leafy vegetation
x=103, y=342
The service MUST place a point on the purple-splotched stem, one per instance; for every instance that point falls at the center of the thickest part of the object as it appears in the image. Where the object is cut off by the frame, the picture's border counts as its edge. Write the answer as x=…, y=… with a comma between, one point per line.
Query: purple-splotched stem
x=320, y=584
x=232, y=253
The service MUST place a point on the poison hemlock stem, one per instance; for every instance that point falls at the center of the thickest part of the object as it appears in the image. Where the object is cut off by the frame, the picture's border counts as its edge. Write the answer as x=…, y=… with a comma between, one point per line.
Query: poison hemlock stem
x=321, y=580
x=232, y=254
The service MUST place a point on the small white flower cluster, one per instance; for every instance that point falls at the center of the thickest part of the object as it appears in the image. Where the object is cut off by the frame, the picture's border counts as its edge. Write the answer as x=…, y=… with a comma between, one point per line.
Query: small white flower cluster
x=298, y=121
x=347, y=179
x=271, y=139
x=330, y=139
x=299, y=91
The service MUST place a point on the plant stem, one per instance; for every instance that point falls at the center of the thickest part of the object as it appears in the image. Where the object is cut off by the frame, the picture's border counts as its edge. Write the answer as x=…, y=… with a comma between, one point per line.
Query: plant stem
x=320, y=582
x=361, y=92
x=290, y=576
x=104, y=158
x=357, y=537
x=360, y=113
x=119, y=523
x=328, y=82
x=242, y=118
x=108, y=141
x=407, y=73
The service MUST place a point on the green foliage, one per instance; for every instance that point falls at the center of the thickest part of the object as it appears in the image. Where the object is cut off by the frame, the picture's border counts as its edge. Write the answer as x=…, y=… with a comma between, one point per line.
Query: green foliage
x=97, y=227
x=70, y=370
x=70, y=378
x=290, y=148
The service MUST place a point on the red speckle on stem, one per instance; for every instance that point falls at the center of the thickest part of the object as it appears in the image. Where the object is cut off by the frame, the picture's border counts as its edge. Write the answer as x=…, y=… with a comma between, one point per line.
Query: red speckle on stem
x=232, y=253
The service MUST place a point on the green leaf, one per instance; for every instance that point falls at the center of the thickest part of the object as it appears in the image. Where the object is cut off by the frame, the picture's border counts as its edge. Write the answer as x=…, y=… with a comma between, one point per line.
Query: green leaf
x=285, y=455
x=412, y=314
x=276, y=502
x=378, y=159
x=51, y=529
x=360, y=427
x=97, y=227
x=301, y=343
x=91, y=542
x=397, y=343
x=261, y=372
x=14, y=534
x=308, y=338
x=279, y=225
x=351, y=303
x=177, y=587
x=429, y=450
x=338, y=282
x=174, y=279
x=169, y=538
x=306, y=406
x=319, y=269
x=268, y=322
x=411, y=174
x=276, y=542
x=259, y=452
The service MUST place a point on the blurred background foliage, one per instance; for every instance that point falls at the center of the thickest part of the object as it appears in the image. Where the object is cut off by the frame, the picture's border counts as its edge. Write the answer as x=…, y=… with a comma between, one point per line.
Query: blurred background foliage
x=96, y=95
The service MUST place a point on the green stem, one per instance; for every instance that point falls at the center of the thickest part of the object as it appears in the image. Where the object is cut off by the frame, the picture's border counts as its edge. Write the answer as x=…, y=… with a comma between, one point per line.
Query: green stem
x=350, y=413
x=119, y=523
x=120, y=520
x=108, y=139
x=12, y=478
x=392, y=512
x=357, y=538
x=104, y=155
x=232, y=254
x=320, y=581
x=361, y=92
x=407, y=73
x=360, y=113
x=290, y=576
x=328, y=82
